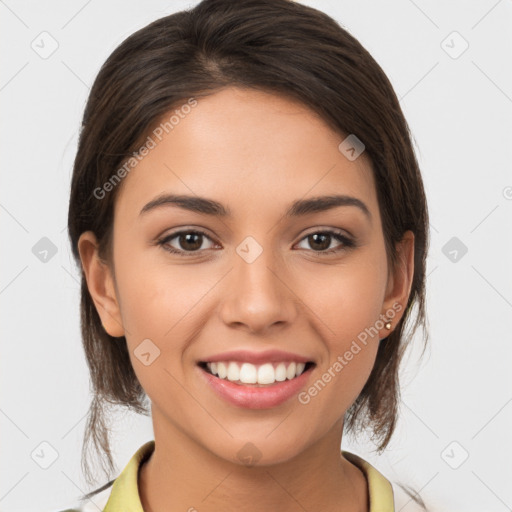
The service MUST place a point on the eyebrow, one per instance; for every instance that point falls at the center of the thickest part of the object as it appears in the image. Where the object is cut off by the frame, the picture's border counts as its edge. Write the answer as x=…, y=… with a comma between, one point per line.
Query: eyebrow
x=298, y=208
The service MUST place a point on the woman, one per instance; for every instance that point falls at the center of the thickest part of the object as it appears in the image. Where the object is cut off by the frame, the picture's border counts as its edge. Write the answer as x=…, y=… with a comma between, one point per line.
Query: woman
x=251, y=225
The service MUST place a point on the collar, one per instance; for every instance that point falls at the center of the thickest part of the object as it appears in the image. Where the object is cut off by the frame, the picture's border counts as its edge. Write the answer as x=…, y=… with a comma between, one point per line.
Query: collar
x=379, y=487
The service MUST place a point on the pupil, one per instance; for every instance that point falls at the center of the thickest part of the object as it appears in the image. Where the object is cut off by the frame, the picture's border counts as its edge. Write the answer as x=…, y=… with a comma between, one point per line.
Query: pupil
x=326, y=240
x=187, y=240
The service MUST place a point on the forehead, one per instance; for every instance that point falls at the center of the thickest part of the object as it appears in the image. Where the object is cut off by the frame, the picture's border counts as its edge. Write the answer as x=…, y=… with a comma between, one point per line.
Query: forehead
x=248, y=149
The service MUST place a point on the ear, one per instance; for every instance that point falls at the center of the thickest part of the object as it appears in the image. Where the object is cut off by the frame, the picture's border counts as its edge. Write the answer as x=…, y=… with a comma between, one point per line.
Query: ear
x=100, y=283
x=399, y=283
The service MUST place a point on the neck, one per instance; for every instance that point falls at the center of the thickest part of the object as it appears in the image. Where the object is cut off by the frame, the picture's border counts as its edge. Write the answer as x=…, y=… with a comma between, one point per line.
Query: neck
x=183, y=475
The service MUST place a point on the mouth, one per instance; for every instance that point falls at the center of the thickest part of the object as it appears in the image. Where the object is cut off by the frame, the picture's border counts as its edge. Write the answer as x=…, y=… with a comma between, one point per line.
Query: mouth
x=261, y=375
x=271, y=379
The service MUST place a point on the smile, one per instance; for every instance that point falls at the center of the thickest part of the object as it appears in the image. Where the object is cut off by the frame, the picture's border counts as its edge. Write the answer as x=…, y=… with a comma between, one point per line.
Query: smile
x=227, y=384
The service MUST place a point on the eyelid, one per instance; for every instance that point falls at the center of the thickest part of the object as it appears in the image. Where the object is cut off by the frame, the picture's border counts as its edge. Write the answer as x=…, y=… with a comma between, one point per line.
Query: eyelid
x=329, y=229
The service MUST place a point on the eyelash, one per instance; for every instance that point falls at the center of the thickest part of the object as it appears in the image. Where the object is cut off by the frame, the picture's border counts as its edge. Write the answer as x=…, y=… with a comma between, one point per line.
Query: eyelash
x=347, y=242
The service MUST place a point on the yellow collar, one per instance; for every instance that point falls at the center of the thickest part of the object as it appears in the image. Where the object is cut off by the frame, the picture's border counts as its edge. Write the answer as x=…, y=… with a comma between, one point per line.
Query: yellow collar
x=379, y=487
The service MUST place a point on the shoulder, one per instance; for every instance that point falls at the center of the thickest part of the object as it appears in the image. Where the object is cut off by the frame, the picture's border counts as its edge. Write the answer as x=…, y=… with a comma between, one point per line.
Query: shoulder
x=118, y=492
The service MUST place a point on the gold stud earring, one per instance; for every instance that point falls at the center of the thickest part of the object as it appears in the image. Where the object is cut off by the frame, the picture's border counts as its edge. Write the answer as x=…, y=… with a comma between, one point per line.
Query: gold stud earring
x=387, y=325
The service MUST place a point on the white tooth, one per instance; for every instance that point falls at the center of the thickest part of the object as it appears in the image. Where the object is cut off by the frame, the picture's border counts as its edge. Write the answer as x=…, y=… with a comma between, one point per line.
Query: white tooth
x=290, y=372
x=266, y=374
x=213, y=368
x=222, y=370
x=233, y=372
x=300, y=369
x=248, y=374
x=280, y=372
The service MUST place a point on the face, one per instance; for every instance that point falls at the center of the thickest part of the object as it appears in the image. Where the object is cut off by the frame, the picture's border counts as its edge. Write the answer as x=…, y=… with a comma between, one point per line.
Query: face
x=190, y=284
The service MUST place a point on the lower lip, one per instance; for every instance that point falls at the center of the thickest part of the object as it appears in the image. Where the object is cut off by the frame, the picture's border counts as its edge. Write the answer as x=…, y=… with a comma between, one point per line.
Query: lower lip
x=252, y=397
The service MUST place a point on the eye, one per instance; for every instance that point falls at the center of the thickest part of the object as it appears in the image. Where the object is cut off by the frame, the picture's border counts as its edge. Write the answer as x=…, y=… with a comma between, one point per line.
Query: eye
x=189, y=241
x=321, y=241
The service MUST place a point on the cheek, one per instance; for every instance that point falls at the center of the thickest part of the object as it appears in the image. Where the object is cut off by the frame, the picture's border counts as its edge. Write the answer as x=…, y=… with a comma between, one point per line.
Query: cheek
x=165, y=304
x=155, y=296
x=159, y=308
x=347, y=299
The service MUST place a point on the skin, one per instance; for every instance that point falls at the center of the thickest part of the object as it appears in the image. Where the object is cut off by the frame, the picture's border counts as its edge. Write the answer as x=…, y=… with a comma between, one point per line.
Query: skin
x=255, y=153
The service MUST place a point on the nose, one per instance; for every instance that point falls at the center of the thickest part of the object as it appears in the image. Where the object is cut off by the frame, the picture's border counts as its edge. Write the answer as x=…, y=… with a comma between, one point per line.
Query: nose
x=259, y=295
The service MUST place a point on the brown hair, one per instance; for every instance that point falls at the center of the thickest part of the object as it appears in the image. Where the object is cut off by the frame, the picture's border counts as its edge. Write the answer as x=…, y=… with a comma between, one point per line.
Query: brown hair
x=281, y=47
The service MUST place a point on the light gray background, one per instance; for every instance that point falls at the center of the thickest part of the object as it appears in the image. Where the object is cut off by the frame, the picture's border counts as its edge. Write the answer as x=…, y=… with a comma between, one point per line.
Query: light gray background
x=460, y=113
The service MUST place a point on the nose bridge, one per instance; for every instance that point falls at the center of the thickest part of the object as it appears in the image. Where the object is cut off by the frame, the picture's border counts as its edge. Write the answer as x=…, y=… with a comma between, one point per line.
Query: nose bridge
x=257, y=297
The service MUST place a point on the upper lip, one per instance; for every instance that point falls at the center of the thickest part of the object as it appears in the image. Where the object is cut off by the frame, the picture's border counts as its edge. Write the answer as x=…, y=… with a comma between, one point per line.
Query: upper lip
x=247, y=356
